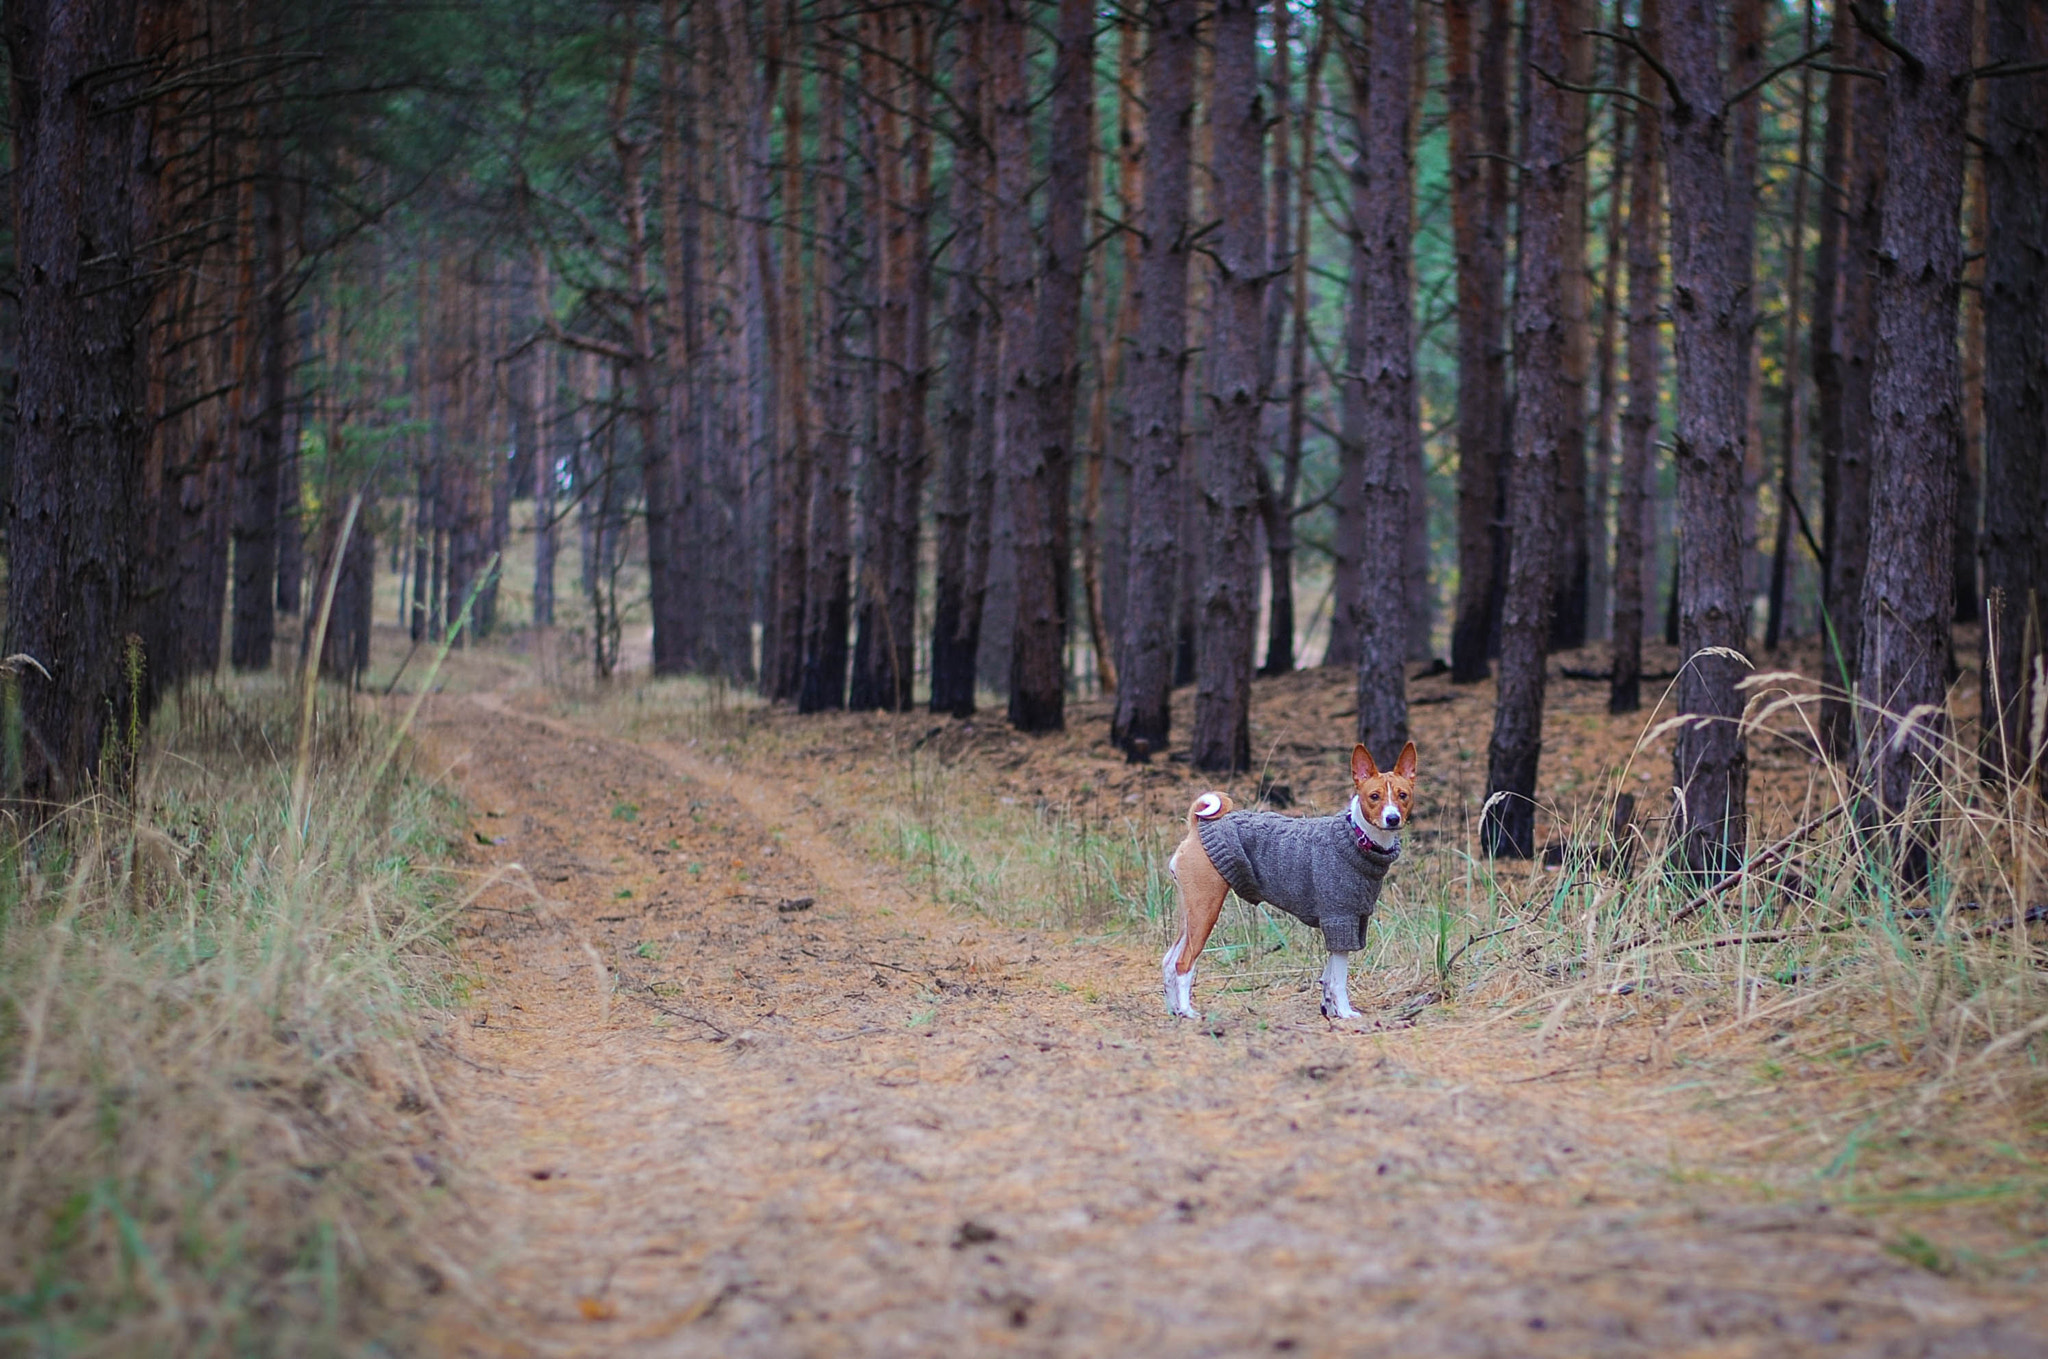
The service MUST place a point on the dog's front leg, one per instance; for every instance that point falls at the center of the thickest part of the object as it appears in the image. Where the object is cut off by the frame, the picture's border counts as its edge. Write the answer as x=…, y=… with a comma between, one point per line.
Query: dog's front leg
x=1336, y=988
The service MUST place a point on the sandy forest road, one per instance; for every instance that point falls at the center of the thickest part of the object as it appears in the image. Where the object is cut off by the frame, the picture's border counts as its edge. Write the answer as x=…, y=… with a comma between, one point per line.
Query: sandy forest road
x=705, y=1123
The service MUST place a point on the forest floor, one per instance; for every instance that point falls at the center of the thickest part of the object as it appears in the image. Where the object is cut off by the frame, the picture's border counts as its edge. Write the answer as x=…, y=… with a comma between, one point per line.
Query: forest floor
x=731, y=1083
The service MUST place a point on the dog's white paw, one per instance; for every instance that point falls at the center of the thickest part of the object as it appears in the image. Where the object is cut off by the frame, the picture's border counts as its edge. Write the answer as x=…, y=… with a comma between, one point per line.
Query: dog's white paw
x=1337, y=989
x=1179, y=986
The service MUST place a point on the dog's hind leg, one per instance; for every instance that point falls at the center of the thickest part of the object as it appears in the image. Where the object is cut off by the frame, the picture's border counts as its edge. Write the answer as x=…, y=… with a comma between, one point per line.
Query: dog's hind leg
x=1202, y=891
x=1179, y=985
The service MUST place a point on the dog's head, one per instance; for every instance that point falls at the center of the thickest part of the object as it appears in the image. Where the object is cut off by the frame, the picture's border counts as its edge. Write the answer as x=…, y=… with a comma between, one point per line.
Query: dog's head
x=1384, y=799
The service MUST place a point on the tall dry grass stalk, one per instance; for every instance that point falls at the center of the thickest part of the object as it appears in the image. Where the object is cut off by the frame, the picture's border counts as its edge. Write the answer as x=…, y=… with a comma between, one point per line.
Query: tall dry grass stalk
x=216, y=1131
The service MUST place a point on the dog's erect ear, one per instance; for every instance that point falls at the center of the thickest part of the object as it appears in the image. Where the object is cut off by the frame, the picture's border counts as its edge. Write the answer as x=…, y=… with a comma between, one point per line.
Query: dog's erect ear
x=1362, y=766
x=1404, y=768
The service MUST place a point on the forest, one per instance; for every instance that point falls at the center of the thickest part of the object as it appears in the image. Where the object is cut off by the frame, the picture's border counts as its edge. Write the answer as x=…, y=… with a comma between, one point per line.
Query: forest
x=1108, y=387
x=1004, y=353
x=998, y=353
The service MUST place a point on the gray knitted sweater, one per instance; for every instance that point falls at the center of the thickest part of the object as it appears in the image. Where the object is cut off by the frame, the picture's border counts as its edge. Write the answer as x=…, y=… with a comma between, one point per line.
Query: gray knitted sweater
x=1317, y=869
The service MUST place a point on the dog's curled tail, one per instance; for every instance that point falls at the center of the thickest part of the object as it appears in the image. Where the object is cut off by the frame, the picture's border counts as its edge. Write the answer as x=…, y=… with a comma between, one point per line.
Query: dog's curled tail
x=1208, y=807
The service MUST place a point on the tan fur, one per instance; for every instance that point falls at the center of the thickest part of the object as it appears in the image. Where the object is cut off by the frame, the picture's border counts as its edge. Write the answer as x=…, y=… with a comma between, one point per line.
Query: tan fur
x=1202, y=888
x=1376, y=790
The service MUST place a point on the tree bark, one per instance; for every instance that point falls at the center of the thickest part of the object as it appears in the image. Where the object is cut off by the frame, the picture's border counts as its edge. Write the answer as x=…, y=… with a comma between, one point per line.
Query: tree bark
x=1280, y=535
x=1039, y=468
x=752, y=85
x=1710, y=340
x=538, y=373
x=2015, y=537
x=1745, y=64
x=1846, y=473
x=498, y=455
x=1382, y=215
x=1347, y=497
x=1634, y=561
x=874, y=683
x=1228, y=594
x=1573, y=568
x=1508, y=826
x=1476, y=95
x=1158, y=361
x=955, y=637
x=1823, y=357
x=669, y=588
x=828, y=598
x=1916, y=407
x=83, y=220
x=258, y=473
x=1276, y=503
x=1599, y=586
x=789, y=572
x=913, y=457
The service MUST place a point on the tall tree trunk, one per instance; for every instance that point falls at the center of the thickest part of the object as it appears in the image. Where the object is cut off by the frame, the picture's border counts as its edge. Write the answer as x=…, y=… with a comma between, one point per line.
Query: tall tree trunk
x=881, y=674
x=1157, y=364
x=1417, y=560
x=1969, y=594
x=1016, y=273
x=1228, y=598
x=753, y=90
x=1130, y=167
x=1710, y=340
x=291, y=537
x=669, y=590
x=1103, y=345
x=915, y=269
x=681, y=242
x=83, y=218
x=1542, y=312
x=1476, y=93
x=1347, y=505
x=789, y=572
x=1848, y=468
x=1792, y=412
x=1634, y=559
x=1823, y=355
x=1280, y=540
x=1600, y=578
x=975, y=604
x=258, y=473
x=1276, y=503
x=828, y=598
x=498, y=455
x=1038, y=465
x=1916, y=408
x=1568, y=621
x=1746, y=64
x=422, y=543
x=2015, y=538
x=539, y=374
x=955, y=637
x=1381, y=190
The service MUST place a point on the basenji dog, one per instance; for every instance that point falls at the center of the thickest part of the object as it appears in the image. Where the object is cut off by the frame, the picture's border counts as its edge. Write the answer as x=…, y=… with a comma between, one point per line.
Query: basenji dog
x=1325, y=871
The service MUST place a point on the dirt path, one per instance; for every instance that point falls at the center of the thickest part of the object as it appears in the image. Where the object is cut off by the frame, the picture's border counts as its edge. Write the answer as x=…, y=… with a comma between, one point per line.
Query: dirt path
x=711, y=1119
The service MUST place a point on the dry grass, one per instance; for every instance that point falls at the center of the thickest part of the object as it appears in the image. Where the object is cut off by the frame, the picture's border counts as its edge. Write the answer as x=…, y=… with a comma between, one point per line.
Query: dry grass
x=216, y=1132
